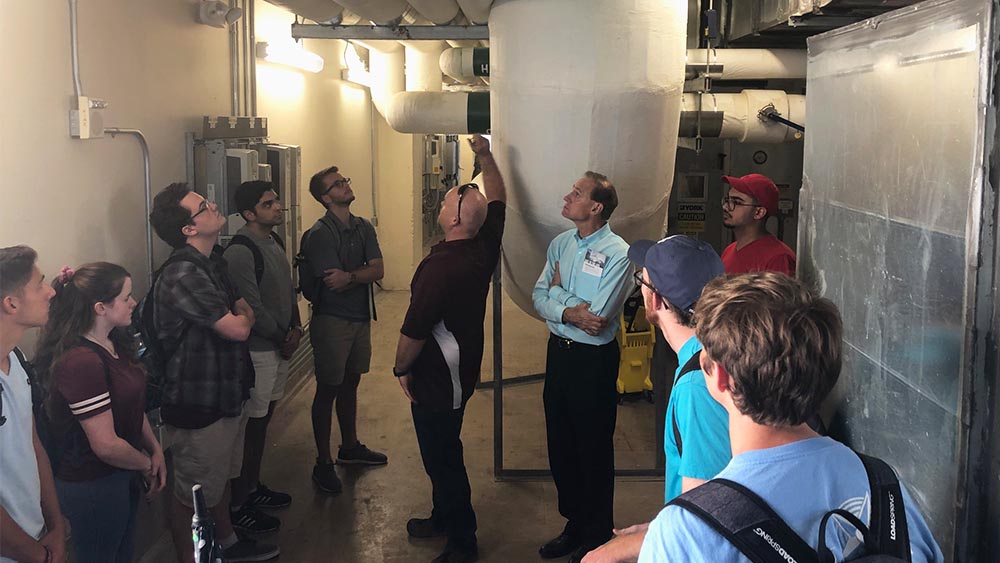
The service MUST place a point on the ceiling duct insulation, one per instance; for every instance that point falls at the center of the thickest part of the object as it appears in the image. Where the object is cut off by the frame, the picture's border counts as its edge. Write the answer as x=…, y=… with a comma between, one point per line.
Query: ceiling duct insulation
x=423, y=69
x=477, y=11
x=468, y=64
x=381, y=12
x=746, y=64
x=735, y=116
x=385, y=63
x=320, y=11
x=438, y=11
x=449, y=113
x=581, y=85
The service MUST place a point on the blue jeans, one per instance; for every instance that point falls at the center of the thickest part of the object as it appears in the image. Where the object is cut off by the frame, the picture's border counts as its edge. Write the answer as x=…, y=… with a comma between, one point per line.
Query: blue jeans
x=101, y=516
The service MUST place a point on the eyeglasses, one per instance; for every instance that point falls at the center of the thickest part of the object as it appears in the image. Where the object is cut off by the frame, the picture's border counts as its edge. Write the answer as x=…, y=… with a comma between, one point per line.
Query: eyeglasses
x=339, y=183
x=731, y=203
x=201, y=209
x=639, y=281
x=461, y=191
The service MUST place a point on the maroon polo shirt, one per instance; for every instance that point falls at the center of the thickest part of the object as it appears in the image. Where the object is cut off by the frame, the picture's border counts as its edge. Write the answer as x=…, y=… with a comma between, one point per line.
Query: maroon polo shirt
x=447, y=309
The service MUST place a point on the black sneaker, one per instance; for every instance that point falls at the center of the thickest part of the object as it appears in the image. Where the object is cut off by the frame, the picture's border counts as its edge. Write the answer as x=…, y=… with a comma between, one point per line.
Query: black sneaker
x=325, y=477
x=251, y=521
x=456, y=556
x=266, y=498
x=359, y=454
x=249, y=550
x=424, y=528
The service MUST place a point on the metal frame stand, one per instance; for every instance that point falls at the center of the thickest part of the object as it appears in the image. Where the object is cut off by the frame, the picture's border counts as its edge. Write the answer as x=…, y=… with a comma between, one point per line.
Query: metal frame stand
x=501, y=473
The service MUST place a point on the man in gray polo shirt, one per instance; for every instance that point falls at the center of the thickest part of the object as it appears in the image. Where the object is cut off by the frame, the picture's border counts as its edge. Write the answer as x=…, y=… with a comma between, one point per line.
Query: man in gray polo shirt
x=343, y=249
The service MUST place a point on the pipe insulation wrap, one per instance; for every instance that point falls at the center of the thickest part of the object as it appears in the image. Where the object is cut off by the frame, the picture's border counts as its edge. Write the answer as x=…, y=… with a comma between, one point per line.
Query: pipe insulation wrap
x=581, y=85
x=423, y=70
x=453, y=113
x=476, y=11
x=382, y=12
x=747, y=64
x=385, y=63
x=740, y=121
x=438, y=11
x=317, y=10
x=466, y=65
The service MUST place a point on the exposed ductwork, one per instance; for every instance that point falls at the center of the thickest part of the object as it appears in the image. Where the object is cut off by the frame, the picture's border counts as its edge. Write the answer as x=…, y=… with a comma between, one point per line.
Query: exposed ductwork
x=736, y=116
x=423, y=72
x=467, y=65
x=440, y=12
x=476, y=11
x=440, y=112
x=385, y=63
x=381, y=12
x=321, y=11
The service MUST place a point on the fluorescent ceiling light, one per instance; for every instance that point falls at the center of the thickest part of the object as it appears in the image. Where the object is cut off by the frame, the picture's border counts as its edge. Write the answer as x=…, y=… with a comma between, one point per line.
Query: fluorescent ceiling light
x=356, y=71
x=290, y=55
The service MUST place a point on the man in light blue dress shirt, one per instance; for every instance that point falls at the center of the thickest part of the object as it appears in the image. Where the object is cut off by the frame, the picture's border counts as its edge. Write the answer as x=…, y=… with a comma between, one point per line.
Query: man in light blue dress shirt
x=580, y=294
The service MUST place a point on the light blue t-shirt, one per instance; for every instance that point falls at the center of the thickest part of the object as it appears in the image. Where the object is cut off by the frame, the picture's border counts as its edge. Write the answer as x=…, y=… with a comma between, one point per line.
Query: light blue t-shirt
x=20, y=490
x=703, y=425
x=595, y=270
x=801, y=481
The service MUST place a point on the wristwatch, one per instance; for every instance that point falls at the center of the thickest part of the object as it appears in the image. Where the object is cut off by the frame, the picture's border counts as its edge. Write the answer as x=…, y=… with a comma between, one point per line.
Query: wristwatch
x=399, y=373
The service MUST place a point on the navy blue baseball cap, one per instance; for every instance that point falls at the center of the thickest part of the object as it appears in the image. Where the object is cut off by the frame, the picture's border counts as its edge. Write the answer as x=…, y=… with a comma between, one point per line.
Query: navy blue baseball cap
x=679, y=267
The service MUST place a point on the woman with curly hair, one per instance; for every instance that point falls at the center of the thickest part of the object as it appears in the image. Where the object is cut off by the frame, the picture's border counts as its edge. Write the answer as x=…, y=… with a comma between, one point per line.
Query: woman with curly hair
x=107, y=451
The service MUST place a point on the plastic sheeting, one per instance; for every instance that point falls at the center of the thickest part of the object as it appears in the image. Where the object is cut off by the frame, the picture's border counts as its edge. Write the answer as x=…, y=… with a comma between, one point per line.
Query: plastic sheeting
x=582, y=85
x=891, y=206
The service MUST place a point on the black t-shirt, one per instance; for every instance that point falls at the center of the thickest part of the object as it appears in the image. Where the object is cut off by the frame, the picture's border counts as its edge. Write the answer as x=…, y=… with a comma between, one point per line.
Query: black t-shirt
x=447, y=308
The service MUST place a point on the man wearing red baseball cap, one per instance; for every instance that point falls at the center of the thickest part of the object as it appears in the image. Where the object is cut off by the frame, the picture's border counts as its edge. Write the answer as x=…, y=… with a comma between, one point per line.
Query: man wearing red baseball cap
x=745, y=209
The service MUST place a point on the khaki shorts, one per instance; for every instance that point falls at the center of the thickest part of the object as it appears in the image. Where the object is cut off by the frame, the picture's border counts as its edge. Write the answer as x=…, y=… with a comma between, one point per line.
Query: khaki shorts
x=339, y=347
x=209, y=456
x=270, y=377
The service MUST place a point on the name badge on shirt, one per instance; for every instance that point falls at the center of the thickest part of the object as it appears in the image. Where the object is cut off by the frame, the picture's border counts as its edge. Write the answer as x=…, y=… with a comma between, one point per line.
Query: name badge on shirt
x=594, y=262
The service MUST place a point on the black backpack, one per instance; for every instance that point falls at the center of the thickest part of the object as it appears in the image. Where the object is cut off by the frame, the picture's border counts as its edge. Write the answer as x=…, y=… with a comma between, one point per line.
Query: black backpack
x=152, y=353
x=752, y=526
x=43, y=424
x=258, y=257
x=310, y=281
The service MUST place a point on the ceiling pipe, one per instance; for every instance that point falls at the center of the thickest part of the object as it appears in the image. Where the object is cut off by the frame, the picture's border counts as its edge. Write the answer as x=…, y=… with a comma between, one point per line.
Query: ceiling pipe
x=466, y=64
x=423, y=69
x=385, y=64
x=477, y=11
x=320, y=11
x=746, y=64
x=446, y=113
x=381, y=12
x=440, y=12
x=735, y=116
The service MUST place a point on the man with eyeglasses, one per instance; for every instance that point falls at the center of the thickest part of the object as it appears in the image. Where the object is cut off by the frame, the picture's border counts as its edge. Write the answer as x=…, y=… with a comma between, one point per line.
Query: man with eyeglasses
x=745, y=209
x=672, y=273
x=203, y=324
x=344, y=249
x=441, y=348
x=580, y=294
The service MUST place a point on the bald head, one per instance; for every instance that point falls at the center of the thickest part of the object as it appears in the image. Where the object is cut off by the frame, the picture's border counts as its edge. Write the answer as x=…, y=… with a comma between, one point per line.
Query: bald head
x=473, y=213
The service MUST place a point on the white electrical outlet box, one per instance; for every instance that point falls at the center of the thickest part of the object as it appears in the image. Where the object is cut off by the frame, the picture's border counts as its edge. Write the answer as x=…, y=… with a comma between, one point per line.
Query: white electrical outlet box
x=86, y=118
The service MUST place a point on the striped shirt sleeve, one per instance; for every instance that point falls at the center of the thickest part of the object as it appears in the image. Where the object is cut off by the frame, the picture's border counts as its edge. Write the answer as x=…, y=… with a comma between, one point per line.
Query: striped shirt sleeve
x=81, y=380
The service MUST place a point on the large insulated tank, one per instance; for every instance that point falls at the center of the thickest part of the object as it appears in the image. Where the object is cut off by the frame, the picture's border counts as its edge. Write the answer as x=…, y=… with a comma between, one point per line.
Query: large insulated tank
x=579, y=85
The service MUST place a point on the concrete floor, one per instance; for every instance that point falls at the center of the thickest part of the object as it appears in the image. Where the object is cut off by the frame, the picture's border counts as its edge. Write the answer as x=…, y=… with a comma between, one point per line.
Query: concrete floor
x=367, y=521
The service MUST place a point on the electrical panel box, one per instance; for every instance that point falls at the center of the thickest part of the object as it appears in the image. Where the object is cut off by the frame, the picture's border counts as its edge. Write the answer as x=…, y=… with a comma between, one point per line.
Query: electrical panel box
x=285, y=162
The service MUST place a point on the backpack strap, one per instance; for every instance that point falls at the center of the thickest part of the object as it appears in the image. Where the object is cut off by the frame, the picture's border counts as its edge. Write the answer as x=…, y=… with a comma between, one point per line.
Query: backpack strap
x=888, y=515
x=278, y=240
x=693, y=364
x=148, y=307
x=37, y=391
x=258, y=257
x=747, y=521
x=97, y=350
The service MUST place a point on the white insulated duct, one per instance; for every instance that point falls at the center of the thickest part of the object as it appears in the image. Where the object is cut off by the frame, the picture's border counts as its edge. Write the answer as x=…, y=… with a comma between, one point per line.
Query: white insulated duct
x=581, y=85
x=453, y=113
x=477, y=11
x=464, y=64
x=423, y=70
x=385, y=63
x=382, y=12
x=747, y=64
x=320, y=11
x=740, y=120
x=437, y=11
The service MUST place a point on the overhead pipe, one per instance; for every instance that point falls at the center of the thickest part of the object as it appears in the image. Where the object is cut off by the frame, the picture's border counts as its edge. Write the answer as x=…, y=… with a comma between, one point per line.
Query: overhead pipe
x=320, y=11
x=746, y=64
x=385, y=65
x=465, y=64
x=735, y=116
x=380, y=12
x=446, y=113
x=423, y=70
x=477, y=11
x=441, y=12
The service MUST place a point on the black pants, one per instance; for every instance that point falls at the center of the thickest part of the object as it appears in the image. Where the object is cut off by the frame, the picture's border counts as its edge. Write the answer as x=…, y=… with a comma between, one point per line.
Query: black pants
x=581, y=406
x=438, y=434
